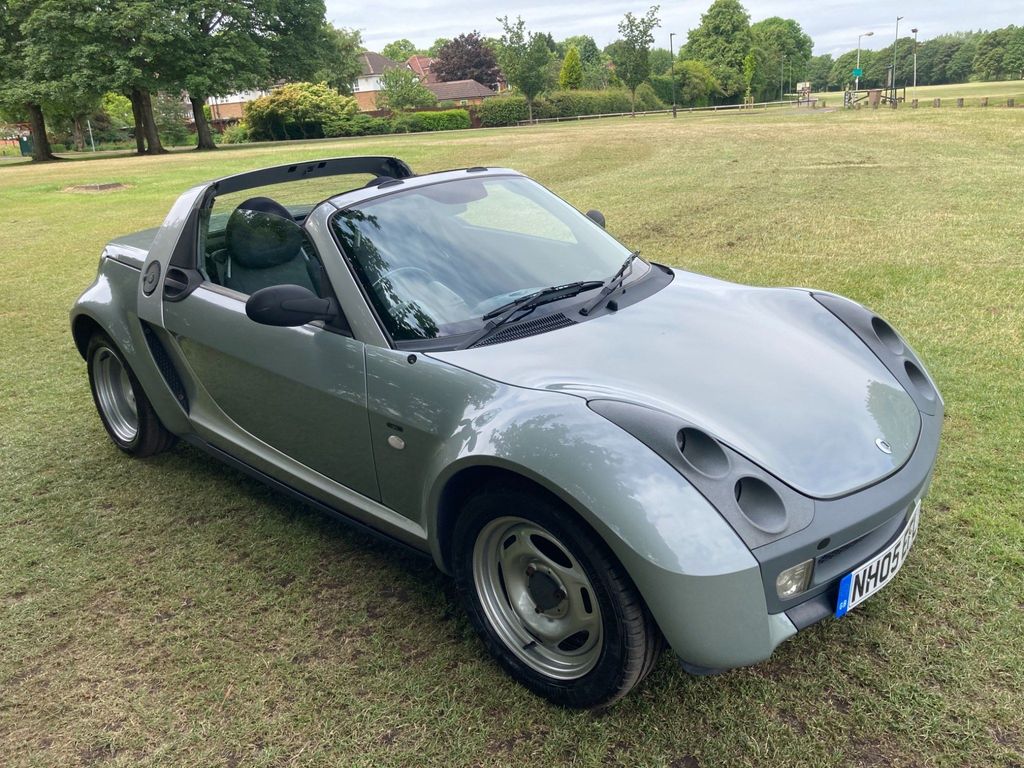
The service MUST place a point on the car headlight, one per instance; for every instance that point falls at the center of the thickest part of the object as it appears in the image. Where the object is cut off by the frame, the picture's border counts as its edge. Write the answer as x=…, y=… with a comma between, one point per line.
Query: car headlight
x=793, y=581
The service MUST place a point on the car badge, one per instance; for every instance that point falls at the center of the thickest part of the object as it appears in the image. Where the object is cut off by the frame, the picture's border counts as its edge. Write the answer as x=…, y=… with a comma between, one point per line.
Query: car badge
x=883, y=446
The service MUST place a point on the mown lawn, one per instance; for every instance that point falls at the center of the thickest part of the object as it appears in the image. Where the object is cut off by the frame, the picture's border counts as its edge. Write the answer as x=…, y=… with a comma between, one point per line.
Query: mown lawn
x=172, y=612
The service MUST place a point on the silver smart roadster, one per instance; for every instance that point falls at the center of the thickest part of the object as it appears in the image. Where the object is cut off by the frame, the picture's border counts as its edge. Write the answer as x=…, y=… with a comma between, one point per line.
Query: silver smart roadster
x=607, y=454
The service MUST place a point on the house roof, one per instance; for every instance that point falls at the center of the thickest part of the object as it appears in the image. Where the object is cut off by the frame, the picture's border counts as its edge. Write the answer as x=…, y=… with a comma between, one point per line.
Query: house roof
x=375, y=64
x=459, y=89
x=421, y=65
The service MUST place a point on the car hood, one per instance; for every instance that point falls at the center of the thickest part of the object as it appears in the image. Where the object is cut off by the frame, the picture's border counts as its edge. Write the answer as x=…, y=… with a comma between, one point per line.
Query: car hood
x=769, y=372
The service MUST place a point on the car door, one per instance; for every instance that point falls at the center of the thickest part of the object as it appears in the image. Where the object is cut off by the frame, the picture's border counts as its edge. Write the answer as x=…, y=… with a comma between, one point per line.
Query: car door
x=273, y=397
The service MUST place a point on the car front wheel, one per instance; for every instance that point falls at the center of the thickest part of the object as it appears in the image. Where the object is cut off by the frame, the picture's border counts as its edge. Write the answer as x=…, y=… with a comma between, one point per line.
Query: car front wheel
x=549, y=599
x=124, y=409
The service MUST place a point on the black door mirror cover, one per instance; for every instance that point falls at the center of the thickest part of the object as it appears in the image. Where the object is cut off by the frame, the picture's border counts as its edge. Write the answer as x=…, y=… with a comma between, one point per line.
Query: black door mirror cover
x=289, y=306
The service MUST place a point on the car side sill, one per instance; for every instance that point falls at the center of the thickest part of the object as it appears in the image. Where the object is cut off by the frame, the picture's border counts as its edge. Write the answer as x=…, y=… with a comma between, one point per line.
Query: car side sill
x=298, y=495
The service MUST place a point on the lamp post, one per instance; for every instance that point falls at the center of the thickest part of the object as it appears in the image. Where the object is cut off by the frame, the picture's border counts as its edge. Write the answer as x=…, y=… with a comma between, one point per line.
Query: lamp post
x=856, y=86
x=913, y=92
x=672, y=71
x=895, y=45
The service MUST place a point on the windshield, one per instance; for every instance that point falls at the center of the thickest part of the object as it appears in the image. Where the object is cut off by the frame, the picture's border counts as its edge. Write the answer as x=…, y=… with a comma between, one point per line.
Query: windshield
x=435, y=259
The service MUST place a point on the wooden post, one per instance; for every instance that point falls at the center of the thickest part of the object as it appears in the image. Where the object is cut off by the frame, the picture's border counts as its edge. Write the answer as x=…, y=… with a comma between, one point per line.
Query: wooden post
x=913, y=103
x=1009, y=102
x=960, y=101
x=936, y=103
x=983, y=101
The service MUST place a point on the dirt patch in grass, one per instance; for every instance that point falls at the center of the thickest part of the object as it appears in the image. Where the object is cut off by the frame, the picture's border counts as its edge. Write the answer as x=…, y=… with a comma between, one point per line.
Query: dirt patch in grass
x=108, y=186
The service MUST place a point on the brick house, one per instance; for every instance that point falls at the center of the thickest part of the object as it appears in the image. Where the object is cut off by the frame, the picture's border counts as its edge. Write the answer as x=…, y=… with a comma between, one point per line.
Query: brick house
x=368, y=83
x=462, y=93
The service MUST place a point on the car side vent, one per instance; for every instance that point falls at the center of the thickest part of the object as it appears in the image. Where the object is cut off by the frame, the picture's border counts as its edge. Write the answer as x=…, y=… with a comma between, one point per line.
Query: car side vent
x=529, y=328
x=165, y=365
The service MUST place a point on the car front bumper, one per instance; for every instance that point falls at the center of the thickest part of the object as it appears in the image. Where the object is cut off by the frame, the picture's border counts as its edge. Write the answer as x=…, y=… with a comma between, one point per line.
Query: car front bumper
x=740, y=616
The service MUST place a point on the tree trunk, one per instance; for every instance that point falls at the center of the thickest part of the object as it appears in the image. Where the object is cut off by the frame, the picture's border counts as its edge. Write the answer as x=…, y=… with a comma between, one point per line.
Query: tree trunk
x=529, y=107
x=41, y=151
x=632, y=103
x=78, y=134
x=154, y=147
x=204, y=139
x=140, y=134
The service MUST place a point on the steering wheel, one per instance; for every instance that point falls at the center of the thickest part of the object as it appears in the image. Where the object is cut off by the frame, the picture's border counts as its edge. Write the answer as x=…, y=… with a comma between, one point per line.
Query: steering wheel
x=399, y=270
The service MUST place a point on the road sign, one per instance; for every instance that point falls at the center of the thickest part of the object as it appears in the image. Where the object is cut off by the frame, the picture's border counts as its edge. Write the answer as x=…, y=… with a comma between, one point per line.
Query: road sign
x=857, y=72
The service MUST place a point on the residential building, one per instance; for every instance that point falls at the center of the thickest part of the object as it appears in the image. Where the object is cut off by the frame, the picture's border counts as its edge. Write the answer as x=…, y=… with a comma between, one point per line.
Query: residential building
x=369, y=81
x=461, y=92
x=422, y=66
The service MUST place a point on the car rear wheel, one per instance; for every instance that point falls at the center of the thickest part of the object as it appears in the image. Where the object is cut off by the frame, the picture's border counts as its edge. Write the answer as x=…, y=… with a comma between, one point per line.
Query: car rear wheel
x=550, y=600
x=124, y=409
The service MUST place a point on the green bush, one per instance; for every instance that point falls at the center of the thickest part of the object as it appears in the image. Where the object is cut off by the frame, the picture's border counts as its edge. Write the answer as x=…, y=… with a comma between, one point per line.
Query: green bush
x=574, y=103
x=647, y=99
x=503, y=110
x=358, y=124
x=297, y=111
x=446, y=120
x=236, y=134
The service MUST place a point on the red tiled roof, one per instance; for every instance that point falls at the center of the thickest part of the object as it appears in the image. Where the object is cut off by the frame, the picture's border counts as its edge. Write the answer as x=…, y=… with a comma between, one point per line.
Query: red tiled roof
x=459, y=89
x=421, y=65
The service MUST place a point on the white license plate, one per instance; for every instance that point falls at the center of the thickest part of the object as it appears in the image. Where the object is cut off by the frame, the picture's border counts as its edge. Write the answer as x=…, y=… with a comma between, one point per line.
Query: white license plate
x=857, y=586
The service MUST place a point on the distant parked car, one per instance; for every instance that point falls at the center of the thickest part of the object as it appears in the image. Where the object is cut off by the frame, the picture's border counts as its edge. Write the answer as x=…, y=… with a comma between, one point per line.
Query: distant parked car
x=605, y=452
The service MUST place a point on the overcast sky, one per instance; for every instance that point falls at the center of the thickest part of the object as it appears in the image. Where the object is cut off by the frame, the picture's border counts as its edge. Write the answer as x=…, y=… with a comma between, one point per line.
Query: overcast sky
x=833, y=24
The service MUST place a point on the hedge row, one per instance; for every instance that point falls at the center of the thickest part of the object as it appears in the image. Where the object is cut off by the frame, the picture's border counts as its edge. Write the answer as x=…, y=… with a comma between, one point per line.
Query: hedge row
x=445, y=120
x=509, y=110
x=361, y=124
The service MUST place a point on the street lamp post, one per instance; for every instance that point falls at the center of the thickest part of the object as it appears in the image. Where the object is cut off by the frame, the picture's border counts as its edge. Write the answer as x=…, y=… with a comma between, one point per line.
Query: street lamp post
x=672, y=71
x=913, y=92
x=782, y=76
x=856, y=86
x=895, y=45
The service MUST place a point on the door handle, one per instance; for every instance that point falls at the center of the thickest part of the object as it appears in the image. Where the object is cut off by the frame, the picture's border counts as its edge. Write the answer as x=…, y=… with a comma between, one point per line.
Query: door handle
x=179, y=283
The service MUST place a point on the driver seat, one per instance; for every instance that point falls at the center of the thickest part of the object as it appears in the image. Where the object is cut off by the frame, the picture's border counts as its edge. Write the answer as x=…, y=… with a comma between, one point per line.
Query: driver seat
x=264, y=248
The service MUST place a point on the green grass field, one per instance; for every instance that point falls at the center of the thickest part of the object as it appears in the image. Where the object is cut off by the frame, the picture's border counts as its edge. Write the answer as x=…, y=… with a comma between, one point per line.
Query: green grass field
x=172, y=612
x=997, y=91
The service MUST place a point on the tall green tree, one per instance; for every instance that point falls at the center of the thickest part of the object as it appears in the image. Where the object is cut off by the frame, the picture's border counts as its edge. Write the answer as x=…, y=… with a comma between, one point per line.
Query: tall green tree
x=524, y=58
x=696, y=82
x=722, y=41
x=999, y=54
x=783, y=40
x=632, y=57
x=340, y=66
x=21, y=94
x=819, y=72
x=660, y=60
x=436, y=46
x=570, y=78
x=590, y=54
x=399, y=50
x=401, y=90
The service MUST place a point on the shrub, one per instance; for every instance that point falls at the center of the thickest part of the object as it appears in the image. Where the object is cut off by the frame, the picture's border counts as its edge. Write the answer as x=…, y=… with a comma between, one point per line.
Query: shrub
x=297, y=111
x=573, y=103
x=503, y=110
x=236, y=134
x=358, y=124
x=416, y=122
x=647, y=99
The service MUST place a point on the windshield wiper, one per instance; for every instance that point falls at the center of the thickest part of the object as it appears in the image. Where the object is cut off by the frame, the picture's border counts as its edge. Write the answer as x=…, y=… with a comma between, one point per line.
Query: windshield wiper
x=506, y=312
x=613, y=283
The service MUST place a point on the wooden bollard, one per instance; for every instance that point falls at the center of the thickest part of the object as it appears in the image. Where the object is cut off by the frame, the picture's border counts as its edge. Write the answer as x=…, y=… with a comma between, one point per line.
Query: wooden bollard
x=1009, y=102
x=960, y=101
x=983, y=101
x=936, y=103
x=913, y=103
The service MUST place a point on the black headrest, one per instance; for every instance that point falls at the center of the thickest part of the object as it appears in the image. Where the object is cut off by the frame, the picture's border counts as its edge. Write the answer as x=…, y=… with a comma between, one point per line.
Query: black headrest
x=261, y=233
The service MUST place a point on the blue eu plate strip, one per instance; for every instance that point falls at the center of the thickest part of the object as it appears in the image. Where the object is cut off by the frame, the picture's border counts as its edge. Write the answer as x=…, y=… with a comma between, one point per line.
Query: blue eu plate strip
x=843, y=601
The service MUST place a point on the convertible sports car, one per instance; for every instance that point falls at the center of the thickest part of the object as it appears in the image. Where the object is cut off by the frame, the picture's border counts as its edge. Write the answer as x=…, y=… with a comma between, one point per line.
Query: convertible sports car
x=606, y=453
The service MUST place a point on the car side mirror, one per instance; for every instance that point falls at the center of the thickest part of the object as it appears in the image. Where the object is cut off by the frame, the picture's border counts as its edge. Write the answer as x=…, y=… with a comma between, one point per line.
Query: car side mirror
x=597, y=217
x=289, y=306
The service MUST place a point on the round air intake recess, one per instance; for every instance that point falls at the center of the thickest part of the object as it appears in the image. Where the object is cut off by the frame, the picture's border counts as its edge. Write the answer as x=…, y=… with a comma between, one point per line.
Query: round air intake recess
x=761, y=505
x=919, y=380
x=887, y=335
x=703, y=452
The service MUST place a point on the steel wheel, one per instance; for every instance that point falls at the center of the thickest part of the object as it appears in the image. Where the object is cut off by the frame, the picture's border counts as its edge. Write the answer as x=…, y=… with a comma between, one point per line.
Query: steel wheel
x=114, y=394
x=537, y=598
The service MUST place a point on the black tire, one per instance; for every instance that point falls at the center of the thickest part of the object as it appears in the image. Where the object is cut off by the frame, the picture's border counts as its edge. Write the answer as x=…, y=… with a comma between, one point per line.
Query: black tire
x=631, y=641
x=150, y=435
